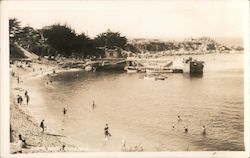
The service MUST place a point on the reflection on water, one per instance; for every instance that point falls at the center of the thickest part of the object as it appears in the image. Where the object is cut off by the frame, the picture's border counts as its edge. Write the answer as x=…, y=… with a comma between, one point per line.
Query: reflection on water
x=145, y=111
x=196, y=75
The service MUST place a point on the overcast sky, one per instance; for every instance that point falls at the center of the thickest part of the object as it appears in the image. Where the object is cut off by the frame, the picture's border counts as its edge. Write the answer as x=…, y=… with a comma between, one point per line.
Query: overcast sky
x=136, y=19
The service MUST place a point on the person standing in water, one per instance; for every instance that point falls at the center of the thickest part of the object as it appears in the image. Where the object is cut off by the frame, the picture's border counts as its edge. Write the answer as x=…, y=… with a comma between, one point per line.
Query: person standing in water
x=64, y=111
x=93, y=105
x=124, y=142
x=106, y=132
x=203, y=130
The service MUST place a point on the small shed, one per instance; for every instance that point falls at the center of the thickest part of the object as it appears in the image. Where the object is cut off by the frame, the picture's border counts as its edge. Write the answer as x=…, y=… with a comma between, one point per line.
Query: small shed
x=112, y=53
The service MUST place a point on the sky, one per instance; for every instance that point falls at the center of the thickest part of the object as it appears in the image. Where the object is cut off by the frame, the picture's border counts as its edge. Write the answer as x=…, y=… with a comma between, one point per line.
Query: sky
x=136, y=19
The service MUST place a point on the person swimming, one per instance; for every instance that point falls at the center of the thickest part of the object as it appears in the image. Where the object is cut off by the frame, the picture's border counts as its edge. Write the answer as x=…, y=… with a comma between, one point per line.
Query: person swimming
x=178, y=118
x=186, y=129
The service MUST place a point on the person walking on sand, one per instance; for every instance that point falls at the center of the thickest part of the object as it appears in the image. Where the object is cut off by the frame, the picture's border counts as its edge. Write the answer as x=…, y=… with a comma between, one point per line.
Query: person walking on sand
x=21, y=142
x=18, y=99
x=18, y=79
x=26, y=93
x=27, y=99
x=12, y=73
x=42, y=126
x=21, y=100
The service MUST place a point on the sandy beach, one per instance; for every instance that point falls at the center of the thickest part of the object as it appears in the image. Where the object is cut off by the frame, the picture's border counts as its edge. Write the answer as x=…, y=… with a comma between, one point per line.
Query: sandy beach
x=22, y=120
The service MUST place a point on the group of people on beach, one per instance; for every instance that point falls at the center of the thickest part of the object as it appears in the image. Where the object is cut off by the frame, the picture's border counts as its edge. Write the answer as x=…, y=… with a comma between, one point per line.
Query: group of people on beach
x=21, y=141
x=20, y=98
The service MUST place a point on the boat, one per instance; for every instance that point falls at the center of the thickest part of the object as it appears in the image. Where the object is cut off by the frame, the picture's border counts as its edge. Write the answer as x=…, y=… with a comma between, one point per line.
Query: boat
x=160, y=77
x=88, y=68
x=112, y=65
x=131, y=70
x=149, y=77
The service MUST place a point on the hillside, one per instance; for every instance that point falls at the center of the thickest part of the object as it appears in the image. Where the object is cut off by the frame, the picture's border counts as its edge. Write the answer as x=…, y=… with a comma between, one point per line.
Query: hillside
x=17, y=51
x=198, y=45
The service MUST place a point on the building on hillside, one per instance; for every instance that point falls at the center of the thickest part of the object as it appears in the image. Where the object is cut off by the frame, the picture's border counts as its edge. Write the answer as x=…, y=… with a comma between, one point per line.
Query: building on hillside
x=112, y=53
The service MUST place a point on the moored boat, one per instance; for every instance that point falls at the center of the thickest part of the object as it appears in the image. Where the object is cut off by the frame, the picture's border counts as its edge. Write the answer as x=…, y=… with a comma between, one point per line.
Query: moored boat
x=131, y=70
x=88, y=68
x=160, y=77
x=149, y=77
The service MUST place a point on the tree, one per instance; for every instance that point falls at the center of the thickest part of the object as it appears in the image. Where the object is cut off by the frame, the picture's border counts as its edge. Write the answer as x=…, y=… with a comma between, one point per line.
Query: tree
x=110, y=40
x=64, y=39
x=61, y=37
x=14, y=28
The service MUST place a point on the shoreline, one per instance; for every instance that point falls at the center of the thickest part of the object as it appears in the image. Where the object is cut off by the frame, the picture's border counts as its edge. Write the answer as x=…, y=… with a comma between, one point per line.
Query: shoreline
x=23, y=122
x=31, y=81
x=27, y=110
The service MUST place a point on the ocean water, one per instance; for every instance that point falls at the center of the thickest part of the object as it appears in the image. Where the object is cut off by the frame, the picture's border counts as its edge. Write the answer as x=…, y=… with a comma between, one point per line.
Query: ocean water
x=145, y=111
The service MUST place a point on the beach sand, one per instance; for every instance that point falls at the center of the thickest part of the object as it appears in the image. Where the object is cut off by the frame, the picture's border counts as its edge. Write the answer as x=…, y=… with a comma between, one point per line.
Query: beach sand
x=21, y=119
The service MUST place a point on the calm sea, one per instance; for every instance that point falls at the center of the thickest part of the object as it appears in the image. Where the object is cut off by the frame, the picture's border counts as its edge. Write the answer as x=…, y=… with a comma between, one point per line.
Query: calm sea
x=145, y=111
